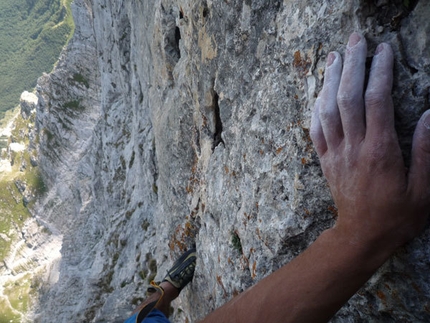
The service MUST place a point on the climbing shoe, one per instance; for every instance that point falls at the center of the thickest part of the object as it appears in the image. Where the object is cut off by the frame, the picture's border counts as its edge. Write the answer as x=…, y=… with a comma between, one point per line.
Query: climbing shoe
x=182, y=271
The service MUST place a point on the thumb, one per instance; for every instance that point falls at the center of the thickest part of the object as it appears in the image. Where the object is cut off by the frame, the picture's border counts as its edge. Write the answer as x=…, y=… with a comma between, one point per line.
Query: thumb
x=419, y=172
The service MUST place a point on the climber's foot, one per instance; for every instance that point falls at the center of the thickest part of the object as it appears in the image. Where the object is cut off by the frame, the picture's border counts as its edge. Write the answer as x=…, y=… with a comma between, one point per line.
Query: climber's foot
x=182, y=271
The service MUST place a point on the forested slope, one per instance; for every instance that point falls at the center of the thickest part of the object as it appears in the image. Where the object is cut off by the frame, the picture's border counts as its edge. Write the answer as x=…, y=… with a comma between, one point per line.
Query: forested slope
x=32, y=34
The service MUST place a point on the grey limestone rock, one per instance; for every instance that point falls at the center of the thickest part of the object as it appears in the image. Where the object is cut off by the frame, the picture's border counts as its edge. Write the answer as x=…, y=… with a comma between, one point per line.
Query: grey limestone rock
x=28, y=103
x=171, y=124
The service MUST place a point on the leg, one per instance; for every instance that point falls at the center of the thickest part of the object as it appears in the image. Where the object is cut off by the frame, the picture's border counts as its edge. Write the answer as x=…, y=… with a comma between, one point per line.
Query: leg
x=170, y=293
x=176, y=279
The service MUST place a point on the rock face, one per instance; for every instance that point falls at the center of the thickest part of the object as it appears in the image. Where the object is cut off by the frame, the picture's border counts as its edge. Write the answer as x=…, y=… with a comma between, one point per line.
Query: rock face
x=28, y=102
x=168, y=124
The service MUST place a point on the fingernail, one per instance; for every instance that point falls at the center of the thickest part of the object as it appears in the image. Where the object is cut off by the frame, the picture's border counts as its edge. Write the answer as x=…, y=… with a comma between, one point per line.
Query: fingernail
x=330, y=59
x=354, y=39
x=379, y=49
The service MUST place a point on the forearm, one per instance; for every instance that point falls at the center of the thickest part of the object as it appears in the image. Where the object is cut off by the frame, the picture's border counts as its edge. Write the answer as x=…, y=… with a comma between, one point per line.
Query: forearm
x=381, y=204
x=311, y=288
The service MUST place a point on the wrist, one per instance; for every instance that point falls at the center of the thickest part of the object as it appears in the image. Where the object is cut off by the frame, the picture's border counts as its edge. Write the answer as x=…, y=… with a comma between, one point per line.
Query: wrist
x=368, y=254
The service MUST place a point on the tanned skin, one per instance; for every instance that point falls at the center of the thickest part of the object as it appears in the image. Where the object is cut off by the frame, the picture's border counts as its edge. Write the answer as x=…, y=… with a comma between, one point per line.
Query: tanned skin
x=381, y=204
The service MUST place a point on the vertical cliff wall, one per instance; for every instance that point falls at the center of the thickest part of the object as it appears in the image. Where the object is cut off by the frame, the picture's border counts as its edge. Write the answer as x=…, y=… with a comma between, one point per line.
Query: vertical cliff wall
x=169, y=124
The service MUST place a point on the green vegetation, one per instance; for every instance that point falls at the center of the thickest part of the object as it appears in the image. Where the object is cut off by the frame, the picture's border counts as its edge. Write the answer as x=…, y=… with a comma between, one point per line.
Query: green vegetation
x=152, y=265
x=32, y=35
x=74, y=105
x=25, y=178
x=236, y=243
x=143, y=274
x=13, y=210
x=9, y=115
x=17, y=293
x=145, y=225
x=3, y=141
x=7, y=315
x=79, y=78
x=16, y=299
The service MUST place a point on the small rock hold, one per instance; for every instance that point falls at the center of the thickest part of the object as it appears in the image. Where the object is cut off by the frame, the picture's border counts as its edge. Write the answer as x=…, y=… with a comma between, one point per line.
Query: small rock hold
x=20, y=185
x=33, y=161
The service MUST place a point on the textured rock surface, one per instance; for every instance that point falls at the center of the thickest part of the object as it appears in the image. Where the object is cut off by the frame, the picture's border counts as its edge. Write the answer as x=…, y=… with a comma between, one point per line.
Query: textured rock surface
x=28, y=102
x=177, y=123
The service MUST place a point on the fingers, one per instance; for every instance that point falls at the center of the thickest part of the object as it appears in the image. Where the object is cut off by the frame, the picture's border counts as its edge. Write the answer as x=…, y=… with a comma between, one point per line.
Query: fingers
x=341, y=107
x=350, y=94
x=317, y=134
x=379, y=105
x=329, y=116
x=419, y=173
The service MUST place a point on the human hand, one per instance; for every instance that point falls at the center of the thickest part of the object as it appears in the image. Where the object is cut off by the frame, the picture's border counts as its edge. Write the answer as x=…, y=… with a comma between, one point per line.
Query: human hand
x=380, y=202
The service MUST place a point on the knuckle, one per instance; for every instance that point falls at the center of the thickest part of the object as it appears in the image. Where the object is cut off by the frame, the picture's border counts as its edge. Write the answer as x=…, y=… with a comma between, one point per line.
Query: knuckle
x=328, y=114
x=374, y=98
x=350, y=156
x=347, y=100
